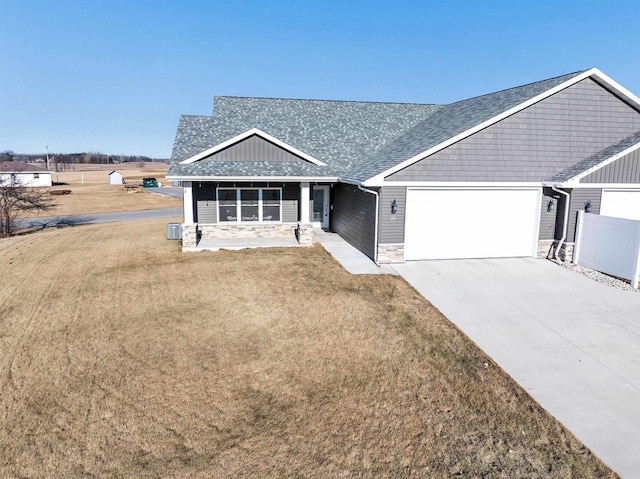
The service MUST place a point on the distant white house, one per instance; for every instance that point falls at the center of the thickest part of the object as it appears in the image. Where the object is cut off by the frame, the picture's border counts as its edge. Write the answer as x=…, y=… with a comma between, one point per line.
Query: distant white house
x=115, y=178
x=25, y=173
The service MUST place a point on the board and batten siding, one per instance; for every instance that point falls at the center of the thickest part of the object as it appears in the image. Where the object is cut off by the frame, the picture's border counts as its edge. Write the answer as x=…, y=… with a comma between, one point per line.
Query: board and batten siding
x=204, y=194
x=254, y=148
x=392, y=226
x=535, y=143
x=353, y=217
x=623, y=170
x=579, y=198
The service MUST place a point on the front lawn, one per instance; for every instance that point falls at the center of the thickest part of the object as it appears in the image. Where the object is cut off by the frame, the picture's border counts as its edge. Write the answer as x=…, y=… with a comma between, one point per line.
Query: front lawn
x=122, y=357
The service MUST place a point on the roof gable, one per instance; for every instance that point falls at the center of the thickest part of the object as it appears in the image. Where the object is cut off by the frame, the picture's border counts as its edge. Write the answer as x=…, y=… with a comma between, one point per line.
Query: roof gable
x=243, y=137
x=459, y=120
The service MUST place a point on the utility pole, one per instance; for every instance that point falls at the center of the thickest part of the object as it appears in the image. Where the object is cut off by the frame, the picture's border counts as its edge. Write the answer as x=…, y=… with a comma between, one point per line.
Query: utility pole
x=46, y=149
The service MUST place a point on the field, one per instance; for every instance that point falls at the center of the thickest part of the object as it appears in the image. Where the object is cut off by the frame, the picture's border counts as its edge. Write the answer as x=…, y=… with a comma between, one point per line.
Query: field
x=92, y=193
x=122, y=357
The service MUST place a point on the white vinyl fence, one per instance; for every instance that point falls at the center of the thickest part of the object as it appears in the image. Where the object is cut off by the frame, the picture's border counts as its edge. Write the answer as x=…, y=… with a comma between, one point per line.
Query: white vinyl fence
x=610, y=245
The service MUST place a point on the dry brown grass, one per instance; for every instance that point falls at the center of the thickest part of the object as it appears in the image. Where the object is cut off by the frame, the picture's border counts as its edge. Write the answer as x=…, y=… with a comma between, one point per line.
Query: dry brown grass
x=122, y=357
x=96, y=195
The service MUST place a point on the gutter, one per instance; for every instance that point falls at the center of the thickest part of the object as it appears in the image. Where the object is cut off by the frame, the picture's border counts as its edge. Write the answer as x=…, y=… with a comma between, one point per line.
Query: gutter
x=375, y=226
x=565, y=219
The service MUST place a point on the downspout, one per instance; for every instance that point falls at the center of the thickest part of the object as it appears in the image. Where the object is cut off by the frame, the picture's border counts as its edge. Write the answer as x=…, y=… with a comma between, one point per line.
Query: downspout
x=375, y=229
x=565, y=222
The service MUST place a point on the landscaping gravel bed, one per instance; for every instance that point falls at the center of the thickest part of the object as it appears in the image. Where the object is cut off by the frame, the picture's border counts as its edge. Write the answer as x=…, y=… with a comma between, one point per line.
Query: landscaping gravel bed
x=598, y=276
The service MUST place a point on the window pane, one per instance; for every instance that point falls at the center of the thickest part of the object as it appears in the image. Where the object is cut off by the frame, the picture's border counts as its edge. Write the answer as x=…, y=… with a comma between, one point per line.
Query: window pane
x=318, y=205
x=249, y=197
x=228, y=205
x=271, y=197
x=271, y=213
x=249, y=205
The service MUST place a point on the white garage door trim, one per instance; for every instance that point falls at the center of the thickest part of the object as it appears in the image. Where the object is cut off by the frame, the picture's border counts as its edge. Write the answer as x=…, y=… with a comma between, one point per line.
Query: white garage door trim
x=621, y=203
x=450, y=223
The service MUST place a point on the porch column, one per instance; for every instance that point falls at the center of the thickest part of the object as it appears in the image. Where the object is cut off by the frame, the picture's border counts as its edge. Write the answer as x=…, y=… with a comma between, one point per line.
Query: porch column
x=187, y=202
x=304, y=203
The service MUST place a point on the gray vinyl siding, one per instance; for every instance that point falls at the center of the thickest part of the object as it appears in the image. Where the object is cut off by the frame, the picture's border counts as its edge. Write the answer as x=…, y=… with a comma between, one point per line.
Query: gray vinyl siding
x=535, y=143
x=548, y=218
x=623, y=170
x=579, y=197
x=392, y=226
x=254, y=148
x=353, y=217
x=207, y=205
x=290, y=195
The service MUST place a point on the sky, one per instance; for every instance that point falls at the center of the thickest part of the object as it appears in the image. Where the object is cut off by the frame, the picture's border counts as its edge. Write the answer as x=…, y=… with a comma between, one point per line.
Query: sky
x=114, y=76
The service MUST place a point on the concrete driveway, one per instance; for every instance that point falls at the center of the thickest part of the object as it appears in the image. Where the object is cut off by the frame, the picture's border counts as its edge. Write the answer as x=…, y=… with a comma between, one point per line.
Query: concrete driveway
x=572, y=343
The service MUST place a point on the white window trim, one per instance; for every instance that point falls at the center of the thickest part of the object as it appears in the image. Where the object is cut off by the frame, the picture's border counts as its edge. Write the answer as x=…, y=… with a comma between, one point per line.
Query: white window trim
x=239, y=205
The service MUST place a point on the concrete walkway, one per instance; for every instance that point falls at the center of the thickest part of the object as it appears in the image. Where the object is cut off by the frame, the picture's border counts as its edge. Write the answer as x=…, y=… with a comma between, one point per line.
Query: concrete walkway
x=572, y=343
x=351, y=259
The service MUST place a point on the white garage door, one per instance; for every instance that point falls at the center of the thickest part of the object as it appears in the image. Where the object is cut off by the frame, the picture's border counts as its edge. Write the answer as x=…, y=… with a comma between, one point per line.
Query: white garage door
x=621, y=203
x=467, y=223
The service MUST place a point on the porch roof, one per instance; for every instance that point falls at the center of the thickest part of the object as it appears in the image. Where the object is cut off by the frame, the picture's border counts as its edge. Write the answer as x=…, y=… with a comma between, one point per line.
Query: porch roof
x=243, y=169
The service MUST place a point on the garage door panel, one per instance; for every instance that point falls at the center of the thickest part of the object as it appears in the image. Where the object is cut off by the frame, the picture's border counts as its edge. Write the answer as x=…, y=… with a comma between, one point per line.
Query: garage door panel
x=447, y=224
x=621, y=204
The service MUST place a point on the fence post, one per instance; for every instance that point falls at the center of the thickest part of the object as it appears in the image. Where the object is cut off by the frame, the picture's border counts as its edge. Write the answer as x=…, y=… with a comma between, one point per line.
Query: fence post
x=635, y=279
x=578, y=240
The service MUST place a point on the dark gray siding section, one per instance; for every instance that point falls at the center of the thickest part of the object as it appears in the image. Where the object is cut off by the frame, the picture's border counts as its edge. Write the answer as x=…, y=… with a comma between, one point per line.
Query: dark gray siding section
x=623, y=170
x=392, y=226
x=353, y=217
x=535, y=143
x=548, y=218
x=290, y=195
x=206, y=204
x=254, y=148
x=579, y=198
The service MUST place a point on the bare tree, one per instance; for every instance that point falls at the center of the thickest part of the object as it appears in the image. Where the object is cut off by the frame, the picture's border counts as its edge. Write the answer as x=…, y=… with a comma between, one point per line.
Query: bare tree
x=16, y=198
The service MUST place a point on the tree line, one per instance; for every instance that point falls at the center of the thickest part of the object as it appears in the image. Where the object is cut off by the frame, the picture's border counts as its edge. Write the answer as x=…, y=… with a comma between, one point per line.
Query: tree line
x=67, y=161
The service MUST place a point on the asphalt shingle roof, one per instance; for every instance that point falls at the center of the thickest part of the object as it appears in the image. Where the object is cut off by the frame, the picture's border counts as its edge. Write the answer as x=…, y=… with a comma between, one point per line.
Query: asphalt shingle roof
x=357, y=140
x=596, y=159
x=19, y=166
x=338, y=133
x=249, y=168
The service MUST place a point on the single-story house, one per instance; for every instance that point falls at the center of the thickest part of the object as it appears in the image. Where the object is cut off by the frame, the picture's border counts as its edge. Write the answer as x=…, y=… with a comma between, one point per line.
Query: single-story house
x=115, y=178
x=498, y=175
x=26, y=174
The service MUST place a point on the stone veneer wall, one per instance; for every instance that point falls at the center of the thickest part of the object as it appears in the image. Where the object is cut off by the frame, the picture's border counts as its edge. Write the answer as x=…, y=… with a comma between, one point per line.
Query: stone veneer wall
x=189, y=235
x=247, y=230
x=391, y=253
x=547, y=249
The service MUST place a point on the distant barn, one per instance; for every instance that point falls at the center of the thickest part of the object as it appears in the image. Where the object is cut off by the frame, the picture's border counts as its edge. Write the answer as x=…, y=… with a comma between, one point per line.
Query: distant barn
x=115, y=178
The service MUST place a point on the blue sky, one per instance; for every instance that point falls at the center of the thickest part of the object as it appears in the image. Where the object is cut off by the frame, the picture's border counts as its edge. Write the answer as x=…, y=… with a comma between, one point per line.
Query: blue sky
x=114, y=76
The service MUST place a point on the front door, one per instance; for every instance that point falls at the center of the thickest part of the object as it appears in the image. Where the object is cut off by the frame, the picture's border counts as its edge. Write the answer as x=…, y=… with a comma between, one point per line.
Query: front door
x=321, y=206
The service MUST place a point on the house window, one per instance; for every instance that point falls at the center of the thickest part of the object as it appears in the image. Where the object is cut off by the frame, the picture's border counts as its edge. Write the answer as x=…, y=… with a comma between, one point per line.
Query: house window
x=228, y=201
x=253, y=204
x=271, y=205
x=249, y=205
x=36, y=176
